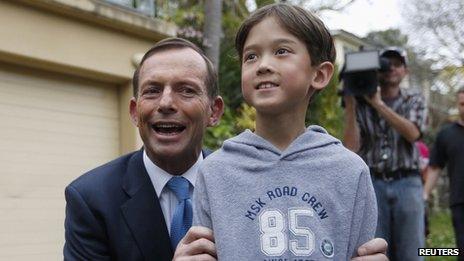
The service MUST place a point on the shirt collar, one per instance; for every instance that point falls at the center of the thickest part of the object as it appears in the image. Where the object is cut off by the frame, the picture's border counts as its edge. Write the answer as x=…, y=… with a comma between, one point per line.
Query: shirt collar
x=160, y=177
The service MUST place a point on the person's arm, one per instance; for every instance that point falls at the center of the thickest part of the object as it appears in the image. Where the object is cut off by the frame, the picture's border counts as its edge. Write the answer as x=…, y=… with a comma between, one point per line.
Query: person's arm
x=351, y=136
x=405, y=127
x=437, y=162
x=85, y=238
x=433, y=172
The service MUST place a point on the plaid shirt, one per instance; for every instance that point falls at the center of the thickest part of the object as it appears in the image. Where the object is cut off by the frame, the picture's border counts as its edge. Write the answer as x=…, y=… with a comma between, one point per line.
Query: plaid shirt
x=382, y=147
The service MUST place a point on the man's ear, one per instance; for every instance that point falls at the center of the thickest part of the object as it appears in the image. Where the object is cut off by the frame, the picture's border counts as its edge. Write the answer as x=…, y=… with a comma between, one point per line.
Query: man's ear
x=323, y=74
x=133, y=111
x=217, y=109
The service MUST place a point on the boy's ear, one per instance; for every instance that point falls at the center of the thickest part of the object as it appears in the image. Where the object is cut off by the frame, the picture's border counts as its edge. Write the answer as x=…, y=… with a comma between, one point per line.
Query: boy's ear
x=322, y=75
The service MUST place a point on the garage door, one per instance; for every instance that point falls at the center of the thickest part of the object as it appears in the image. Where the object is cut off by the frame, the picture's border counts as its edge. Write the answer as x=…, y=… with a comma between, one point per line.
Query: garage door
x=52, y=129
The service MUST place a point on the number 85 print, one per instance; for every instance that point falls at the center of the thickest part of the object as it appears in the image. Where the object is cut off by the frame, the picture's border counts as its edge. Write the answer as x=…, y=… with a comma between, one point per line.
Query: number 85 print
x=273, y=237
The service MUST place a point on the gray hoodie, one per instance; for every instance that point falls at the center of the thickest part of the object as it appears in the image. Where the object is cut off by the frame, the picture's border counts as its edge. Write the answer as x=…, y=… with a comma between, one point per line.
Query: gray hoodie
x=312, y=201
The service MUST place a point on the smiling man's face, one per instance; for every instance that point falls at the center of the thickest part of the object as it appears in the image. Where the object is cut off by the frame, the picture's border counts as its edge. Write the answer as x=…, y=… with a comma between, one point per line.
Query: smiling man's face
x=173, y=109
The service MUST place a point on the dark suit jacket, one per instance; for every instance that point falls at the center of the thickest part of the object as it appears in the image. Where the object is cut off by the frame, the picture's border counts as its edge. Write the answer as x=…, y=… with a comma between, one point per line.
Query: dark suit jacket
x=113, y=213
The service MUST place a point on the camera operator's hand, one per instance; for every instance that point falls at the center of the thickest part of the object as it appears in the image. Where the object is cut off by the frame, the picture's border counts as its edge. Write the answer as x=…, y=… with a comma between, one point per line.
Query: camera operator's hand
x=375, y=100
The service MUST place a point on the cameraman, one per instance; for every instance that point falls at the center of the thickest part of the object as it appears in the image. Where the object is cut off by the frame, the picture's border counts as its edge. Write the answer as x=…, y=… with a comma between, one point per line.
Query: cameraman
x=382, y=129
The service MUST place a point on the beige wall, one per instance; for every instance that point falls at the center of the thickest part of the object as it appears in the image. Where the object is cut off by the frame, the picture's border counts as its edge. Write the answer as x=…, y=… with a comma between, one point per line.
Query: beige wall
x=132, y=138
x=53, y=128
x=45, y=34
x=65, y=85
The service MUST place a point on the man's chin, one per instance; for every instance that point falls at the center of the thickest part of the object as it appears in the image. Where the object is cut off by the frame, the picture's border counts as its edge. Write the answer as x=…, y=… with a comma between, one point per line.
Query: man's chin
x=174, y=150
x=168, y=151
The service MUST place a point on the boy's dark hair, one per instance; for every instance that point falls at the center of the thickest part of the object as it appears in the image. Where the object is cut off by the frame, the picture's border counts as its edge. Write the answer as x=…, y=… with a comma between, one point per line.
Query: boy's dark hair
x=301, y=23
x=211, y=79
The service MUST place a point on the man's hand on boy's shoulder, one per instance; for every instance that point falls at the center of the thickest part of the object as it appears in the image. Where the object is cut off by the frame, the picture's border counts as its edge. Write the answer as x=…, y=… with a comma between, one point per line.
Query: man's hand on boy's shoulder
x=198, y=244
x=373, y=250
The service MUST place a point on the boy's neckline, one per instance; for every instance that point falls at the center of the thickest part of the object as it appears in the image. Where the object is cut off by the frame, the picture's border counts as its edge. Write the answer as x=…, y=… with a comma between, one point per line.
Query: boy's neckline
x=280, y=130
x=309, y=139
x=278, y=150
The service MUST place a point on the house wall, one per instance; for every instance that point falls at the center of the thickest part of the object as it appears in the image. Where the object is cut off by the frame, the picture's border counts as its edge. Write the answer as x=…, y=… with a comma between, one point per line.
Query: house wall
x=65, y=85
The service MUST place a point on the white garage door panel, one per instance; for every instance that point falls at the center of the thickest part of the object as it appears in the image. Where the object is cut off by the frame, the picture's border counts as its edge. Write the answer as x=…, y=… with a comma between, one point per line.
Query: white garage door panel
x=39, y=120
x=63, y=99
x=34, y=252
x=52, y=129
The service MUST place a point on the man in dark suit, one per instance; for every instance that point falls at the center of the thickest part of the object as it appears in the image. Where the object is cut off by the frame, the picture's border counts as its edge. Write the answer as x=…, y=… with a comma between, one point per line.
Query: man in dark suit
x=125, y=209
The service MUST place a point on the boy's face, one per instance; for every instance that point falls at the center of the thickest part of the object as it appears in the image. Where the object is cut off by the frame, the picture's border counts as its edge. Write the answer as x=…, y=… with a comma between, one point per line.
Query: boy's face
x=277, y=75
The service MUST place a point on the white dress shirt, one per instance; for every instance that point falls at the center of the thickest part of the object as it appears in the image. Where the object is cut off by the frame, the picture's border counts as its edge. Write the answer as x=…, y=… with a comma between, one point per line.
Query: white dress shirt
x=160, y=177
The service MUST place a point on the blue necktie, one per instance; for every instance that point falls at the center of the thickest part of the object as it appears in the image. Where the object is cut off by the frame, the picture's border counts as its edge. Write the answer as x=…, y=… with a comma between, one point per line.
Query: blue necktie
x=182, y=218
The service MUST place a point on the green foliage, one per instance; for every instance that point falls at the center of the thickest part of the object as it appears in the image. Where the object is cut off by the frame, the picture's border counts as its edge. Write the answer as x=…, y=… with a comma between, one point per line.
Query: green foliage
x=390, y=37
x=394, y=37
x=232, y=123
x=325, y=109
x=441, y=233
x=226, y=129
x=261, y=3
x=229, y=65
x=190, y=20
x=229, y=76
x=247, y=118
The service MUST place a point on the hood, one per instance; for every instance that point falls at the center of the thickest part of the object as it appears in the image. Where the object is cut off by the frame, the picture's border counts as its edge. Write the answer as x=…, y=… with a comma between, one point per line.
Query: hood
x=252, y=145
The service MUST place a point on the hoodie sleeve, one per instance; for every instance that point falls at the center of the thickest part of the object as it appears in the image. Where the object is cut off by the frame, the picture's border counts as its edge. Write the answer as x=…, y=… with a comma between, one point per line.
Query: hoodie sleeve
x=201, y=210
x=364, y=218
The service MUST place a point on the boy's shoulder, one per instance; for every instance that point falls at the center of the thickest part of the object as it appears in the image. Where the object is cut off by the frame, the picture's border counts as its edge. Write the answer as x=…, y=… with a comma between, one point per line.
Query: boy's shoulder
x=354, y=159
x=234, y=151
x=345, y=168
x=340, y=155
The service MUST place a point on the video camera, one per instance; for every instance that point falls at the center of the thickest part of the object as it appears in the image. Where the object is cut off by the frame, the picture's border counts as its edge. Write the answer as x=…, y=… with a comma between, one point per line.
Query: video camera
x=360, y=72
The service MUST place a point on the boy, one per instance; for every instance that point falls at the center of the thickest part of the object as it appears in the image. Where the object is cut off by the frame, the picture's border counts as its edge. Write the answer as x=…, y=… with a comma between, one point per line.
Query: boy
x=285, y=192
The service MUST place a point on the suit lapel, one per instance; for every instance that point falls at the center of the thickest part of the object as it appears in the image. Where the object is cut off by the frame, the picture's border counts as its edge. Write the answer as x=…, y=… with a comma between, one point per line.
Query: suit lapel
x=143, y=213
